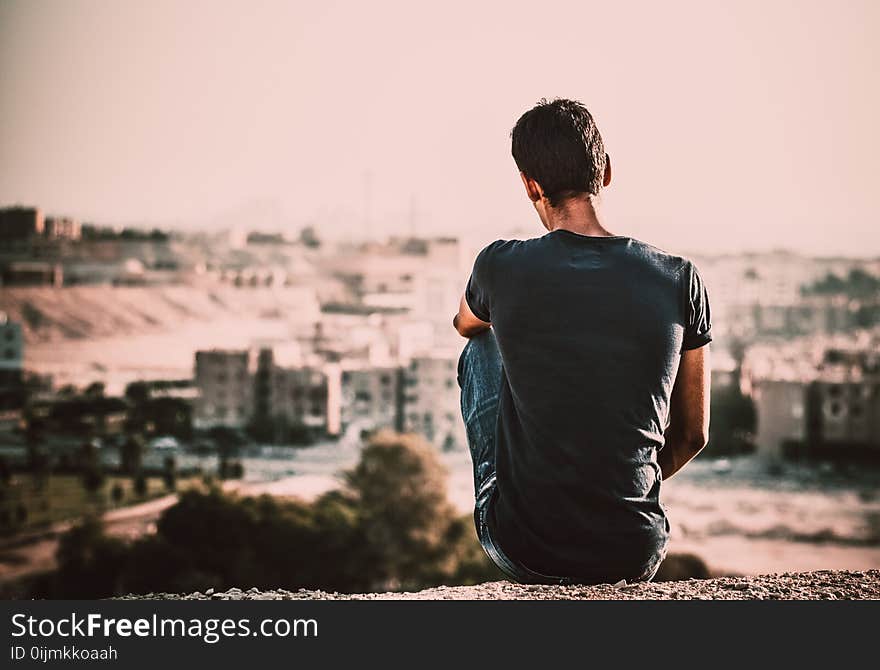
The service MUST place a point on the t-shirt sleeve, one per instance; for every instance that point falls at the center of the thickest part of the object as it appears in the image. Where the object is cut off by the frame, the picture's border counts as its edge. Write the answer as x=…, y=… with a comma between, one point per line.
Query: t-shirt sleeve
x=478, y=292
x=698, y=321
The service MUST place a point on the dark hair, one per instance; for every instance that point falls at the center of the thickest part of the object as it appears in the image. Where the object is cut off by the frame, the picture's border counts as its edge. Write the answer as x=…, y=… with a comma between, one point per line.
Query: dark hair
x=557, y=144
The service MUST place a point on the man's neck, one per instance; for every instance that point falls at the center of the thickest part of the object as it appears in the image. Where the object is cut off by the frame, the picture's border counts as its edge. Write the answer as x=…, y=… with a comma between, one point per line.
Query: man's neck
x=577, y=215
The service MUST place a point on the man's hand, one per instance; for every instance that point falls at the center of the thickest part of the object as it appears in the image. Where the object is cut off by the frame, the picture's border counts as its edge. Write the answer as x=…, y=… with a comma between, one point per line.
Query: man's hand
x=688, y=430
x=466, y=323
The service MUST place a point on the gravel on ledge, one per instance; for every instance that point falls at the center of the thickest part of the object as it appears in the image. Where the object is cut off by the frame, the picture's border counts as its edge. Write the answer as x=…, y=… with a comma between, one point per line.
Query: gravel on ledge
x=819, y=585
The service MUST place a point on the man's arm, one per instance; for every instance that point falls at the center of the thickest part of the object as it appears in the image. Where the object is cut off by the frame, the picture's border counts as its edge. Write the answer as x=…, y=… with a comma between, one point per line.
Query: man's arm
x=466, y=323
x=688, y=429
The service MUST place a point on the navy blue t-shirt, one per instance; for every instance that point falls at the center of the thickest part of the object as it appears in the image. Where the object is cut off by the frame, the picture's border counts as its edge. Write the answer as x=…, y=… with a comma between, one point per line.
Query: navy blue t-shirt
x=591, y=330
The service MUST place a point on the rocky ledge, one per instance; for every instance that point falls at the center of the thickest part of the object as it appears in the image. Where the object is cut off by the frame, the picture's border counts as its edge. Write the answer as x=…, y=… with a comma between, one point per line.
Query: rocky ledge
x=820, y=585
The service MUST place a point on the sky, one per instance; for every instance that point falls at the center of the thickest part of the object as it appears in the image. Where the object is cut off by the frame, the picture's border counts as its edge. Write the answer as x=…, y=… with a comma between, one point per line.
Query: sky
x=731, y=125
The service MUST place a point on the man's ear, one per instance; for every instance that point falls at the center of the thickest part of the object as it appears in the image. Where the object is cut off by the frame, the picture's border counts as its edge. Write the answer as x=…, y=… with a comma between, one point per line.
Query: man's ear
x=606, y=178
x=533, y=188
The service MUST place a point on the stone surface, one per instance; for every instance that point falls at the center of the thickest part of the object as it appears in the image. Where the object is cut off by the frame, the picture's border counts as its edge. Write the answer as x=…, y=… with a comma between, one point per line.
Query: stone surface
x=820, y=585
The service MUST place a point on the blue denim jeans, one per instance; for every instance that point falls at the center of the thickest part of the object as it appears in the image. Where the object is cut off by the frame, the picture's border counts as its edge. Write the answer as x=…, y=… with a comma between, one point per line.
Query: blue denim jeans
x=480, y=377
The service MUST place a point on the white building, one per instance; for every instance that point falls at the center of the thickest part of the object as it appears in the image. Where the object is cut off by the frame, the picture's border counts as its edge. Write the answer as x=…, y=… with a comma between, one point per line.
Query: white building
x=762, y=293
x=817, y=396
x=780, y=408
x=62, y=227
x=432, y=401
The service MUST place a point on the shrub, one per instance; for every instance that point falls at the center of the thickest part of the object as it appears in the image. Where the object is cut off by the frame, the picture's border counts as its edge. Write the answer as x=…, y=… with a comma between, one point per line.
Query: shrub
x=90, y=564
x=391, y=526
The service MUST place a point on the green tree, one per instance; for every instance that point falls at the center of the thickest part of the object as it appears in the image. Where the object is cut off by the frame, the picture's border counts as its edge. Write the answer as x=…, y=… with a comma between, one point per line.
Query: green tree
x=139, y=484
x=68, y=391
x=399, y=488
x=228, y=443
x=308, y=236
x=131, y=454
x=5, y=472
x=169, y=473
x=94, y=390
x=138, y=392
x=90, y=564
x=37, y=459
x=391, y=526
x=91, y=472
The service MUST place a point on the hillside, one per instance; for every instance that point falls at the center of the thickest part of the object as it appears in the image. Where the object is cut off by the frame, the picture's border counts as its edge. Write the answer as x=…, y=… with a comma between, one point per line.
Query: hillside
x=93, y=312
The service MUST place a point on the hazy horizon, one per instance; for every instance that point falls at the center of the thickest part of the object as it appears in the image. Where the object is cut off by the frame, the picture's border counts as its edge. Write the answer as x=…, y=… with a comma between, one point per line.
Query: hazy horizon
x=729, y=127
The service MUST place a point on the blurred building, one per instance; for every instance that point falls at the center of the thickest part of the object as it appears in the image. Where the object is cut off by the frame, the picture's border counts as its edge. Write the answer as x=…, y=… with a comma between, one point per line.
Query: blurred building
x=224, y=381
x=759, y=295
x=818, y=406
x=19, y=225
x=177, y=389
x=300, y=397
x=62, y=228
x=845, y=413
x=413, y=274
x=27, y=223
x=123, y=260
x=408, y=337
x=431, y=399
x=11, y=364
x=779, y=404
x=32, y=273
x=32, y=246
x=371, y=397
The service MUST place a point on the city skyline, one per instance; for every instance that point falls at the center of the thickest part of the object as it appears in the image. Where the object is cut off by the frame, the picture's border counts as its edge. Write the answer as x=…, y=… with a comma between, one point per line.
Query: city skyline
x=755, y=131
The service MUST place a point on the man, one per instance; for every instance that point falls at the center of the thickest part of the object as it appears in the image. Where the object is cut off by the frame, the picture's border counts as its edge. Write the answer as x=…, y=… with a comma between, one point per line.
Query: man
x=586, y=378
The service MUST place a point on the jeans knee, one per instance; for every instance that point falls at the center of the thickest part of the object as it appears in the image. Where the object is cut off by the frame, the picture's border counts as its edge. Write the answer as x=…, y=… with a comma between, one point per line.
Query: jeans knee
x=480, y=359
x=481, y=347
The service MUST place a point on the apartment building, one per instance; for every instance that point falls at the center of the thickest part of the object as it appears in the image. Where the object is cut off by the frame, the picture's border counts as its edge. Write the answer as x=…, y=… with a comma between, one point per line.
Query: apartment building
x=825, y=407
x=371, y=397
x=431, y=399
x=225, y=383
x=306, y=396
x=11, y=363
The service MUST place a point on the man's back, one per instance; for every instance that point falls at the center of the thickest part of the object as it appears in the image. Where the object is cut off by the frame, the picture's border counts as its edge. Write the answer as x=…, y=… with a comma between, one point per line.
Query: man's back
x=590, y=331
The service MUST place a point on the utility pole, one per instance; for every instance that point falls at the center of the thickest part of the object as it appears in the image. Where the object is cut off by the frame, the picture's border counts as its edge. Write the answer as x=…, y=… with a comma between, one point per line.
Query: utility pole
x=413, y=217
x=368, y=204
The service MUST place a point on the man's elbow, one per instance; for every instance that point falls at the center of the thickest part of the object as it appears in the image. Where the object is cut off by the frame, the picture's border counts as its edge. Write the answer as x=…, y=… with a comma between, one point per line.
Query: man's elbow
x=697, y=440
x=691, y=440
x=459, y=328
x=468, y=329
